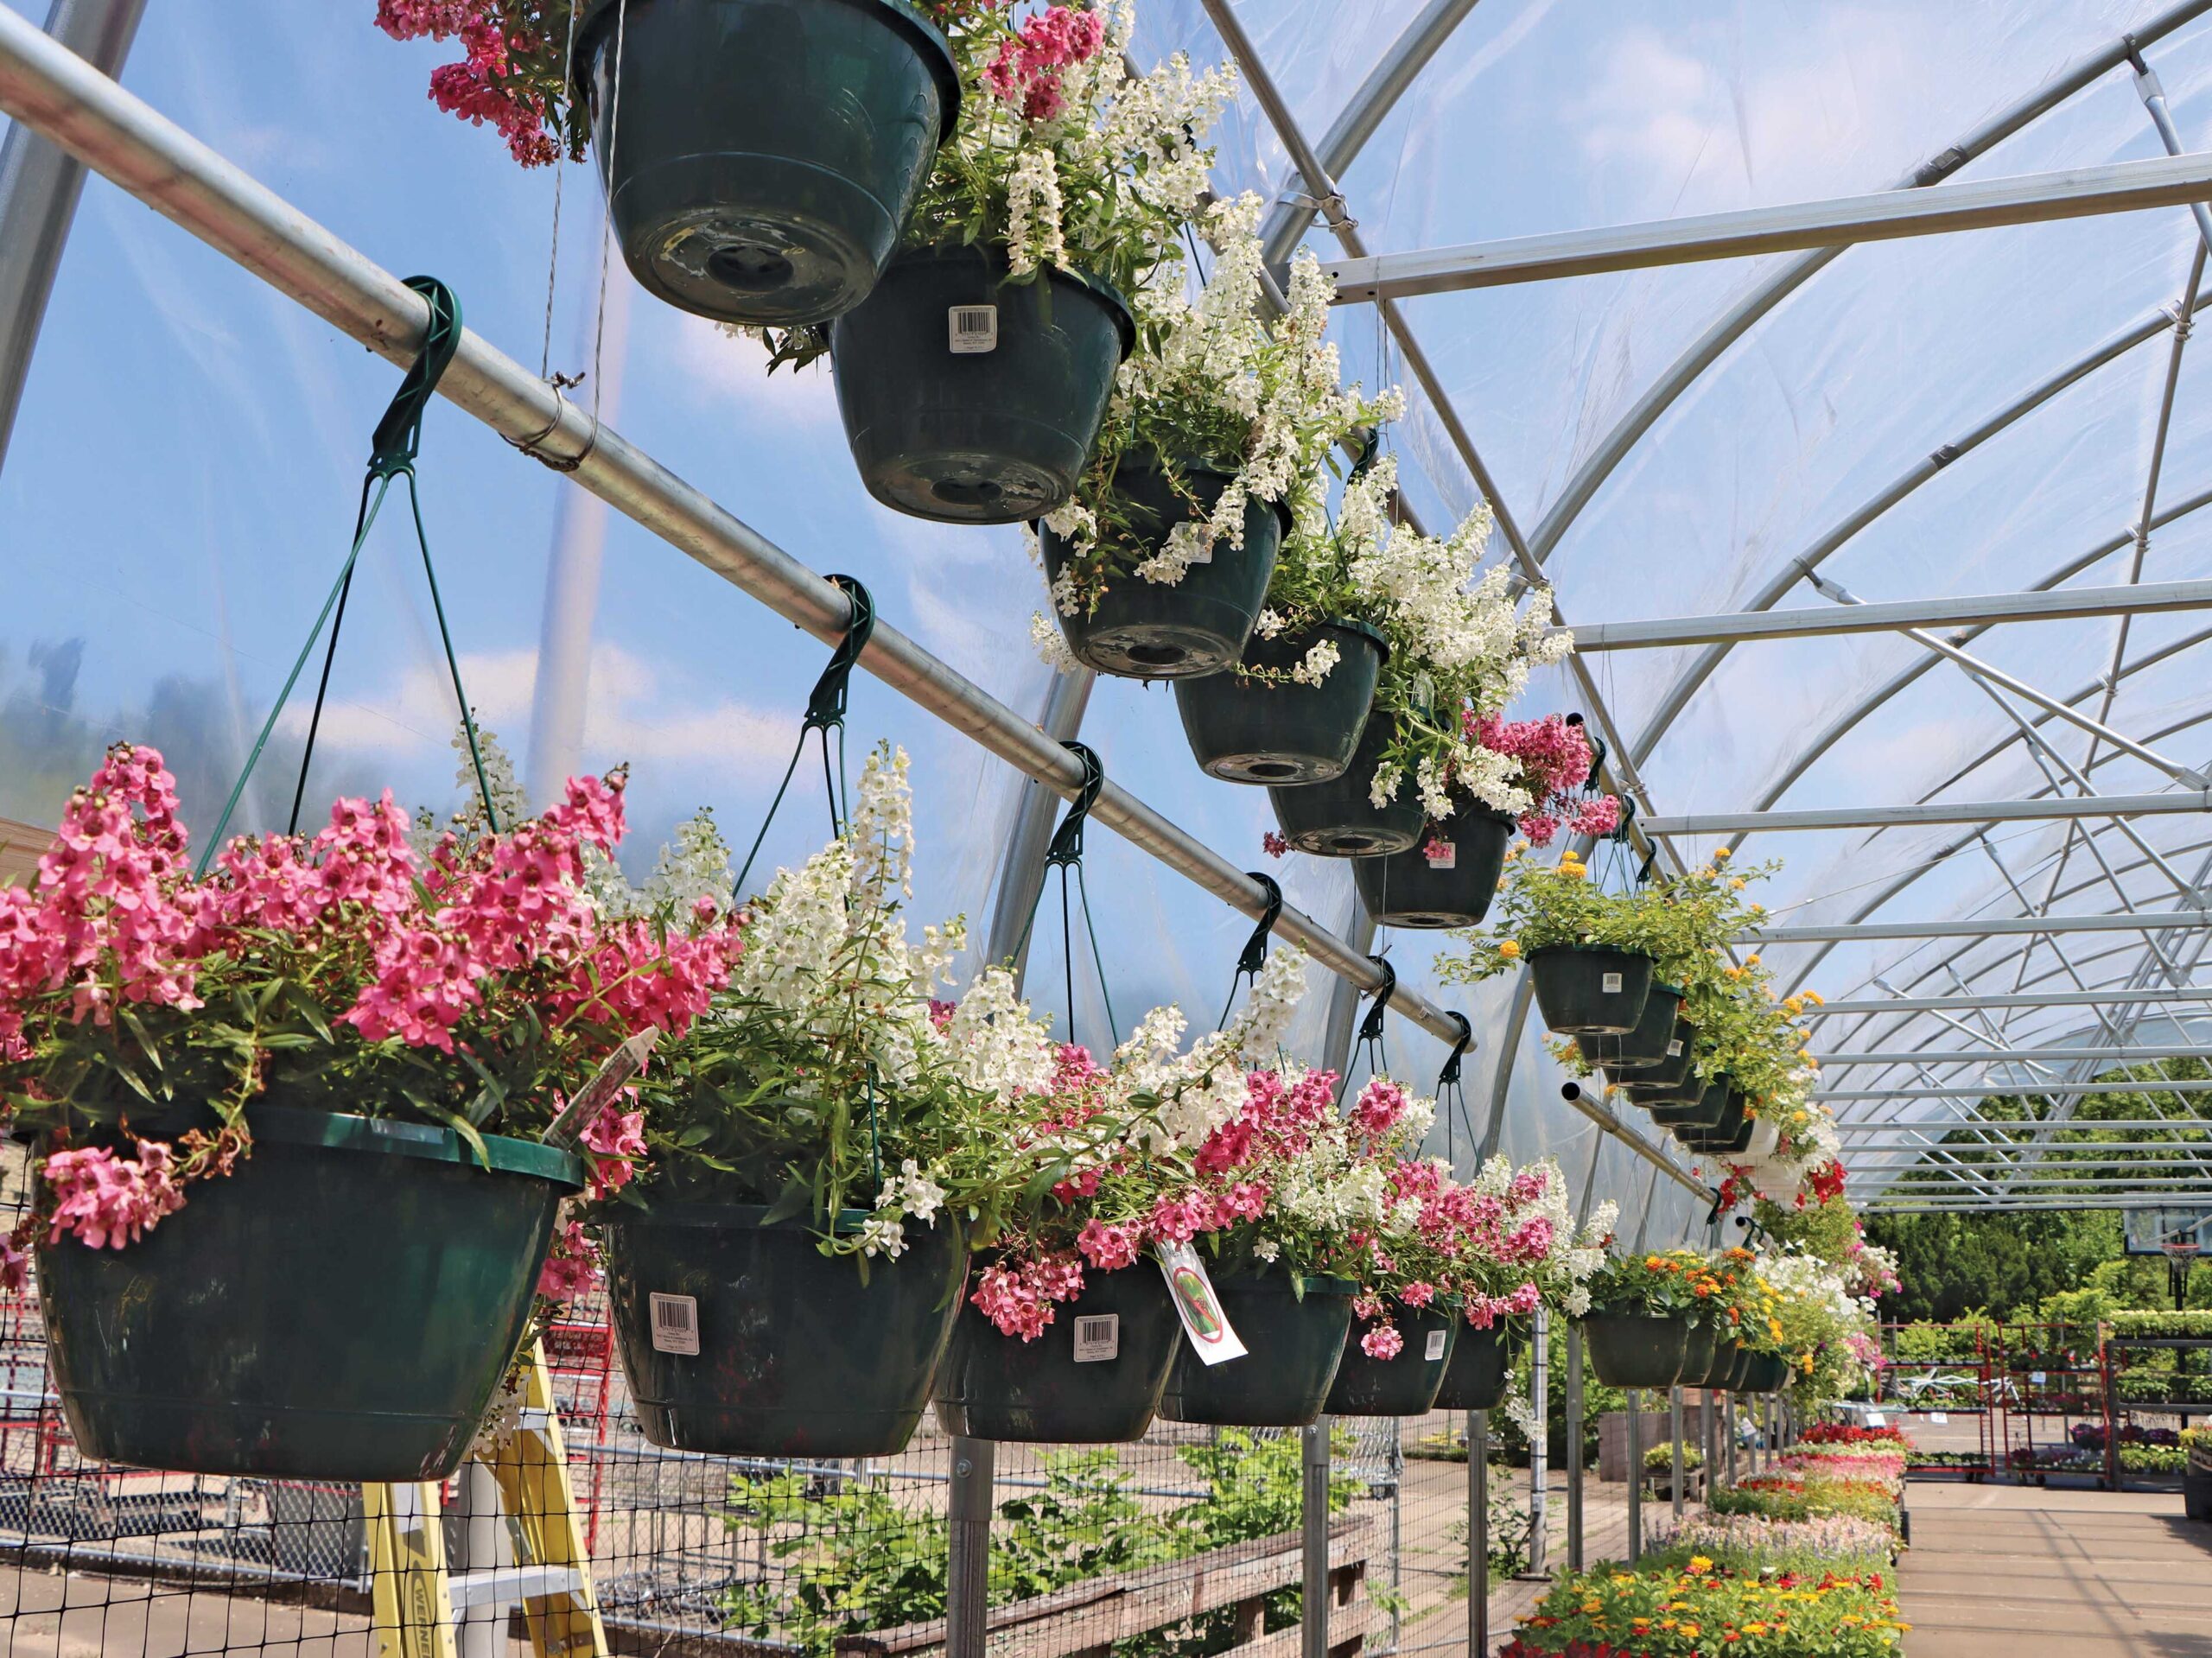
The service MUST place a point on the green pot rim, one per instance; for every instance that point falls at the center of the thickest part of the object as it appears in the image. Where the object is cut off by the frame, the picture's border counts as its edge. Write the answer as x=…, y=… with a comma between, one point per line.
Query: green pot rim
x=940, y=56
x=291, y=1125
x=730, y=1217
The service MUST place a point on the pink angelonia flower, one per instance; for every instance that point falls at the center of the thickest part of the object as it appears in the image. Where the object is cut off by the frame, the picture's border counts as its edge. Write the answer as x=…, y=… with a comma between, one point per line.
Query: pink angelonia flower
x=1018, y=1296
x=1176, y=1220
x=616, y=1138
x=1418, y=1293
x=573, y=1268
x=15, y=1266
x=106, y=1201
x=1109, y=1247
x=1380, y=1105
x=1382, y=1342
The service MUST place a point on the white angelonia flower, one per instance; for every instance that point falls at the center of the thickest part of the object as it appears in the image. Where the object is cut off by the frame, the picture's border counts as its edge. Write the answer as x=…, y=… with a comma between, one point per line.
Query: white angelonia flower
x=883, y=1235
x=1034, y=235
x=1323, y=657
x=1269, y=624
x=1051, y=649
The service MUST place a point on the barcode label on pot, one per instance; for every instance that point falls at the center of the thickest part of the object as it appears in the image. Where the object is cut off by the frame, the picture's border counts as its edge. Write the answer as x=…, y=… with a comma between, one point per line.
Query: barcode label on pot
x=1098, y=1336
x=1675, y=1049
x=1610, y=984
x=1434, y=1350
x=1442, y=854
x=675, y=1324
x=974, y=328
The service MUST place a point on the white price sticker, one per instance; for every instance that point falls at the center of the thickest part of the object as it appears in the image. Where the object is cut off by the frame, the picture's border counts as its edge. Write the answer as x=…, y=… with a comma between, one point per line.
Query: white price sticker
x=972, y=329
x=1675, y=1049
x=1097, y=1337
x=1434, y=1349
x=675, y=1325
x=1442, y=854
x=1610, y=984
x=1203, y=1322
x=1939, y=1417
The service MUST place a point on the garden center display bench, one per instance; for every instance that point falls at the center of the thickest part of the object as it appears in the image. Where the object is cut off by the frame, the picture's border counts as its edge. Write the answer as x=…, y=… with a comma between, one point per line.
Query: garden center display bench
x=2155, y=1365
x=1949, y=1374
x=2050, y=1402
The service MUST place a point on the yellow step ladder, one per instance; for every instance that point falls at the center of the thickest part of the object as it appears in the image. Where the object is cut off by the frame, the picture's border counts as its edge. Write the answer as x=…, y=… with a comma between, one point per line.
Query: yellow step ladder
x=414, y=1599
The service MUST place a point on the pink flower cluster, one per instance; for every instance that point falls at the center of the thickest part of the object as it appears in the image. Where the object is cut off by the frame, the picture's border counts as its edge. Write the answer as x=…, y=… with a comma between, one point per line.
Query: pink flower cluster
x=482, y=87
x=109, y=1201
x=1027, y=72
x=1555, y=760
x=1018, y=1295
x=1380, y=1105
x=573, y=1268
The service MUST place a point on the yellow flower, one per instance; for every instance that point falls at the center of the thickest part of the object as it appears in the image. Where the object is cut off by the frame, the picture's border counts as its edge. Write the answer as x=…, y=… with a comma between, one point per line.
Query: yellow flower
x=1736, y=884
x=1509, y=949
x=1734, y=973
x=1721, y=855
x=1794, y=1006
x=1701, y=1565
x=1750, y=961
x=1814, y=996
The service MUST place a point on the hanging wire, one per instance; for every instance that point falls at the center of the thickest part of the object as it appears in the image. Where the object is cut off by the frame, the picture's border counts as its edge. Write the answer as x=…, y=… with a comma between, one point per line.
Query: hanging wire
x=606, y=225
x=825, y=712
x=394, y=448
x=1065, y=854
x=1369, y=1043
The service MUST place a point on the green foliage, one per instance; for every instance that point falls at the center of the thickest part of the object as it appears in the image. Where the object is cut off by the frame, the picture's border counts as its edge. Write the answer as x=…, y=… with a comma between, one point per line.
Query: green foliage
x=1960, y=1342
x=1659, y=1458
x=859, y=1555
x=2152, y=1459
x=2167, y=1326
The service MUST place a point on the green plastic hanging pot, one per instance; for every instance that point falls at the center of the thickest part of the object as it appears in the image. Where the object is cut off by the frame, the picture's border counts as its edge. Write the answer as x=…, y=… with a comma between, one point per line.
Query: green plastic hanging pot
x=1598, y=990
x=340, y=1307
x=1403, y=1386
x=1338, y=819
x=1656, y=1096
x=1094, y=1377
x=1697, y=1353
x=1635, y=1349
x=1200, y=625
x=1634, y=1053
x=1672, y=1069
x=1293, y=1343
x=1722, y=1135
x=1766, y=1373
x=1447, y=881
x=971, y=398
x=1481, y=1369
x=1725, y=1352
x=1738, y=1372
x=1244, y=730
x=1706, y=1112
x=760, y=157
x=782, y=1351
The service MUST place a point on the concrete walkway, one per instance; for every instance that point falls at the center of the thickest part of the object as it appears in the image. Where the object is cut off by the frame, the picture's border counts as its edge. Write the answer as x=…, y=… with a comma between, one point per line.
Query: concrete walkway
x=2004, y=1571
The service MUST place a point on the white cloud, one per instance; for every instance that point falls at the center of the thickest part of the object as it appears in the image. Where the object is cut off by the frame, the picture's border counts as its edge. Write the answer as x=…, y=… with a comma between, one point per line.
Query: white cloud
x=734, y=368
x=629, y=716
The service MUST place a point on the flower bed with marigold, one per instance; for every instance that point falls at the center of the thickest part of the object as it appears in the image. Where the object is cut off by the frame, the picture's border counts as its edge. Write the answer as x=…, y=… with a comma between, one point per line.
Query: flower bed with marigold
x=1697, y=1607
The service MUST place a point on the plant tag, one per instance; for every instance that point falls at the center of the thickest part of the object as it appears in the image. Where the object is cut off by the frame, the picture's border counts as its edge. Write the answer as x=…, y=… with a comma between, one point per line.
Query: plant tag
x=974, y=329
x=1875, y=1419
x=675, y=1324
x=2036, y=1377
x=1097, y=1337
x=1442, y=854
x=1434, y=1349
x=1675, y=1049
x=617, y=1068
x=1203, y=1322
x=1939, y=1417
x=1610, y=984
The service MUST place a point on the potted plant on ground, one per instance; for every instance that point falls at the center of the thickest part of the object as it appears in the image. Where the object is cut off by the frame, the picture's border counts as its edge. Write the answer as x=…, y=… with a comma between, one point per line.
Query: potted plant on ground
x=292, y=1202
x=1212, y=450
x=1070, y=1329
x=1544, y=788
x=973, y=380
x=826, y=1146
x=761, y=157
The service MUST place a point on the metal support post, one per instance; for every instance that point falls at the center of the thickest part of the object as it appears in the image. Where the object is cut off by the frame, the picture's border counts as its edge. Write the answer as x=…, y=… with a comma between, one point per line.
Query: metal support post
x=968, y=1566
x=1705, y=1438
x=1728, y=1436
x=1313, y=1603
x=1477, y=1534
x=1574, y=1446
x=39, y=189
x=1635, y=1475
x=1540, y=1377
x=1674, y=1408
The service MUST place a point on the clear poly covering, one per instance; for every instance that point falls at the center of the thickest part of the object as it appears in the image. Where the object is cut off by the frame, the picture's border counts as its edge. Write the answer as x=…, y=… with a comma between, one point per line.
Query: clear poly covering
x=182, y=478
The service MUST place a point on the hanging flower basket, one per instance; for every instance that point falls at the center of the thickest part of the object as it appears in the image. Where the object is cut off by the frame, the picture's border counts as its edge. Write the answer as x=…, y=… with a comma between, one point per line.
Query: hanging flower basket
x=341, y=1306
x=1636, y=1349
x=1093, y=1377
x=1765, y=1373
x=1293, y=1343
x=1697, y=1353
x=768, y=152
x=1480, y=1372
x=1677, y=1056
x=1731, y=1133
x=1706, y=1111
x=1733, y=1382
x=1199, y=624
x=968, y=398
x=1655, y=1097
x=1596, y=990
x=1339, y=818
x=796, y=1354
x=1726, y=1352
x=1404, y=1383
x=1765, y=1136
x=1634, y=1053
x=1447, y=881
x=1279, y=731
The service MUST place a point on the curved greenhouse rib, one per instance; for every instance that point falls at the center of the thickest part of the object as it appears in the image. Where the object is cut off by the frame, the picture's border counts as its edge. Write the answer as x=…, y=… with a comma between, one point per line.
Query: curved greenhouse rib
x=1363, y=113
x=1731, y=326
x=1687, y=683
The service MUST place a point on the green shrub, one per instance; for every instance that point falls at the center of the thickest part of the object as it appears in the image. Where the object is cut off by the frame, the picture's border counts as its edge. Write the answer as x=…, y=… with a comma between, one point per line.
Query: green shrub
x=2163, y=1326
